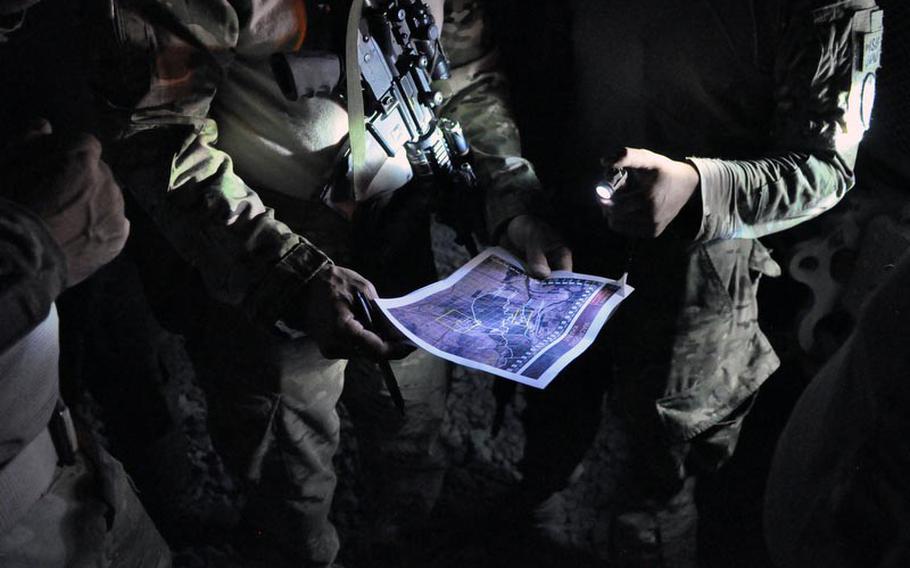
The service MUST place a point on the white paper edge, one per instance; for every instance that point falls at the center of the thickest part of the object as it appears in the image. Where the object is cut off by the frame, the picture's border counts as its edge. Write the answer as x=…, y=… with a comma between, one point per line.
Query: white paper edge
x=605, y=312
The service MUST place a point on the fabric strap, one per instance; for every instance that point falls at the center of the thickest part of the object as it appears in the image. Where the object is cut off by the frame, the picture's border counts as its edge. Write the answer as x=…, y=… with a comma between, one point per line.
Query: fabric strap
x=356, y=116
x=28, y=475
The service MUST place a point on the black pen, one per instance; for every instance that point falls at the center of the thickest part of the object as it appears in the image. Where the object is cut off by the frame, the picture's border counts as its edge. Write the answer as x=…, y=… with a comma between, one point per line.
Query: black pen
x=388, y=375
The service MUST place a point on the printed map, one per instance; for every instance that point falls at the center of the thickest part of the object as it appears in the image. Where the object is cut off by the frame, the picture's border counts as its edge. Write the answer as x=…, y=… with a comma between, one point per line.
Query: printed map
x=491, y=315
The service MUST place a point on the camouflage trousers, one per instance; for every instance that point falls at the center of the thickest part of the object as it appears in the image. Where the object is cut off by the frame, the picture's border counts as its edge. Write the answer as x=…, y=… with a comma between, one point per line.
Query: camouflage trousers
x=89, y=517
x=273, y=419
x=630, y=494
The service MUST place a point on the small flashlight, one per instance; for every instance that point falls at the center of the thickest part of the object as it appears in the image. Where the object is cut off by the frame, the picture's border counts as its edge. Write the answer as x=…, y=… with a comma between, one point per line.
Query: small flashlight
x=613, y=179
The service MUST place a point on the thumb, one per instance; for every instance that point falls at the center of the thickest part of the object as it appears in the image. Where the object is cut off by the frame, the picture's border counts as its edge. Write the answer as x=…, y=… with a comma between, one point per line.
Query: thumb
x=638, y=159
x=14, y=147
x=36, y=128
x=538, y=266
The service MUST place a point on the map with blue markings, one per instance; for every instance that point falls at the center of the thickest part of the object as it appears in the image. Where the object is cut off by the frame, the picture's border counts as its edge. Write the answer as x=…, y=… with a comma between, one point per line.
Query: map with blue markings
x=491, y=315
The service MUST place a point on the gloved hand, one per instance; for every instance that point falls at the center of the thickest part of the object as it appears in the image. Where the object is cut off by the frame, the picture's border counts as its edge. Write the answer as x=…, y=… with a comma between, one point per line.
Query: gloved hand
x=64, y=182
x=329, y=318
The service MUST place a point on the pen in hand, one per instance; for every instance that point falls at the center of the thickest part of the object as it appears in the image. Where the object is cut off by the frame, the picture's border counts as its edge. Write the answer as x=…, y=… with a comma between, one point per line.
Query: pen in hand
x=363, y=307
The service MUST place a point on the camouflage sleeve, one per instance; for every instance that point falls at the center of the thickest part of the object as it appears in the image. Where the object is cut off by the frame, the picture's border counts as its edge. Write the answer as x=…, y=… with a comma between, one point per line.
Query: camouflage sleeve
x=32, y=272
x=159, y=66
x=822, y=104
x=478, y=98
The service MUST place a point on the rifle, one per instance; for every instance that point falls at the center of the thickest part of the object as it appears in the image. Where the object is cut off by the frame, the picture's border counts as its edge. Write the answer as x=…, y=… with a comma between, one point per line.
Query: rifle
x=400, y=56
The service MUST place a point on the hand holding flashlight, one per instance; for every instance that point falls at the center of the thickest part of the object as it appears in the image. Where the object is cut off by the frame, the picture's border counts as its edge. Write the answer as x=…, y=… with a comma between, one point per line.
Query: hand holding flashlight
x=642, y=192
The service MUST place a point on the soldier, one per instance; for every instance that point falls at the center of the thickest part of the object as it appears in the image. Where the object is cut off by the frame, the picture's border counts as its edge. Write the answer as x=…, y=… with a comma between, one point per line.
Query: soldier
x=734, y=120
x=65, y=502
x=215, y=155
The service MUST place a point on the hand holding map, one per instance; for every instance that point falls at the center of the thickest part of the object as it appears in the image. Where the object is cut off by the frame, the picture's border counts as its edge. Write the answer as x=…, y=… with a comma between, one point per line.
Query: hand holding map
x=490, y=315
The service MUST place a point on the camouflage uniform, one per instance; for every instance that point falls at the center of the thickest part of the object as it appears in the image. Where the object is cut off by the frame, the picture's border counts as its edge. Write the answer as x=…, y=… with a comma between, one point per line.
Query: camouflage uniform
x=79, y=514
x=171, y=68
x=761, y=86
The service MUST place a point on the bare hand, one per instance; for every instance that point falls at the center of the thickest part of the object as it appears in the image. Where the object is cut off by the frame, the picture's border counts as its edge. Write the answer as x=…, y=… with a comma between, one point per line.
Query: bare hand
x=653, y=195
x=329, y=318
x=540, y=245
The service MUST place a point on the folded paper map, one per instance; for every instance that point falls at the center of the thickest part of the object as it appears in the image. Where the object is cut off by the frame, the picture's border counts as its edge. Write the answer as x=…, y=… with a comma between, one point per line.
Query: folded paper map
x=490, y=315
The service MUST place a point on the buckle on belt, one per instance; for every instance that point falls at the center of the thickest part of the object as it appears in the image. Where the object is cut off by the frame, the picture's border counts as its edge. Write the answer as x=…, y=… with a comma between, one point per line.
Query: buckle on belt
x=63, y=433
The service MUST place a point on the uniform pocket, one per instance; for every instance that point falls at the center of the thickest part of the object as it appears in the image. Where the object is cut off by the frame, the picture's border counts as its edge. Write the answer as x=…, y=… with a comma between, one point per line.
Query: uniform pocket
x=720, y=356
x=761, y=263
